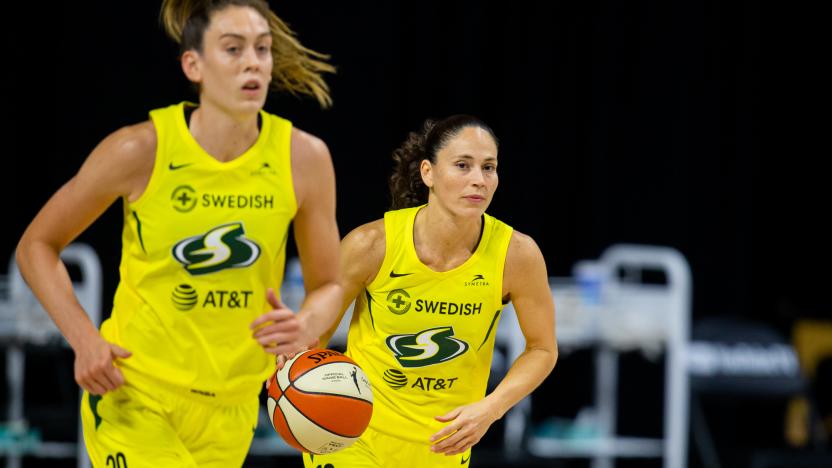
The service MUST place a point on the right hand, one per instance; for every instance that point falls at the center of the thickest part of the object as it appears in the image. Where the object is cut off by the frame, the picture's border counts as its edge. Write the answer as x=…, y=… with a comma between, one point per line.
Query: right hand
x=95, y=370
x=280, y=330
x=283, y=358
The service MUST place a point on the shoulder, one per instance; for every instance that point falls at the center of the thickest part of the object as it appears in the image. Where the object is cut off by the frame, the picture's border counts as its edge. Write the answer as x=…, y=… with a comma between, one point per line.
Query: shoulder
x=367, y=239
x=308, y=150
x=522, y=248
x=362, y=253
x=312, y=169
x=124, y=157
x=135, y=141
x=524, y=260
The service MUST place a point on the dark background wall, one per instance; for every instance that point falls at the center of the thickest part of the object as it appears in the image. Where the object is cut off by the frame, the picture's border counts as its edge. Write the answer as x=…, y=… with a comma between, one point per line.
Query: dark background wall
x=619, y=121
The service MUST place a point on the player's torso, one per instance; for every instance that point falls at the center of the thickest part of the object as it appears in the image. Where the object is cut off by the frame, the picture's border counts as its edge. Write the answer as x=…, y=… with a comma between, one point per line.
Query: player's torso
x=202, y=244
x=427, y=337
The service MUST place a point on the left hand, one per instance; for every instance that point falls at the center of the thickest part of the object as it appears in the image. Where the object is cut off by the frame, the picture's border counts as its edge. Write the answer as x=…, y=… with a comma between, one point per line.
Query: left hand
x=468, y=424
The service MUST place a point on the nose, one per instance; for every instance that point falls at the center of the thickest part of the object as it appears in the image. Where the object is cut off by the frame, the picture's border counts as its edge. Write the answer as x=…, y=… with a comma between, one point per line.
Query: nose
x=252, y=60
x=477, y=177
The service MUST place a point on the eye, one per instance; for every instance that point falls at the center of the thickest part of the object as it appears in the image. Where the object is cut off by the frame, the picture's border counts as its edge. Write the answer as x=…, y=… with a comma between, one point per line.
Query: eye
x=490, y=167
x=461, y=164
x=263, y=48
x=232, y=50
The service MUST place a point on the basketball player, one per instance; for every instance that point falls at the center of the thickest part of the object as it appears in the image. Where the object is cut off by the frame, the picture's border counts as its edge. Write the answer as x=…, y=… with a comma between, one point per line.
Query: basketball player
x=429, y=281
x=173, y=377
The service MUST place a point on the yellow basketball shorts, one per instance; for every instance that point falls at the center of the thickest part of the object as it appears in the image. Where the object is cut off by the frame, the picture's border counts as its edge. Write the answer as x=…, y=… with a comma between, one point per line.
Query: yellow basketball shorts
x=135, y=428
x=376, y=450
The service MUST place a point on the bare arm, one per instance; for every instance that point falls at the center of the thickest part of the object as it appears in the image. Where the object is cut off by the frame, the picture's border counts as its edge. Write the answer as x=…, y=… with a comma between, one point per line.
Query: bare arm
x=316, y=233
x=527, y=283
x=119, y=166
x=362, y=252
x=280, y=331
x=528, y=286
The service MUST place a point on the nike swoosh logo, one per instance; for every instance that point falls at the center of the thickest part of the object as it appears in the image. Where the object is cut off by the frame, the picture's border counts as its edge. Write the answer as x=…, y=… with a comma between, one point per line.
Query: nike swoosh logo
x=397, y=275
x=465, y=460
x=174, y=167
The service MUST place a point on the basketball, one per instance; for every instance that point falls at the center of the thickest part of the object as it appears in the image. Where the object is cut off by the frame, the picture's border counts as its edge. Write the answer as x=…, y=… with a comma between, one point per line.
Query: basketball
x=320, y=402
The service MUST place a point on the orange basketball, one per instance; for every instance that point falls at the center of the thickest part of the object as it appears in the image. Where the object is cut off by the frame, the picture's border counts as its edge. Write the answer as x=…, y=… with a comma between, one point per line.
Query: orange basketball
x=320, y=402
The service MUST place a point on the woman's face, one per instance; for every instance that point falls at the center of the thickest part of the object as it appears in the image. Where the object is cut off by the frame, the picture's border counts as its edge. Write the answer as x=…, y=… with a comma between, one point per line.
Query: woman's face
x=235, y=66
x=464, y=177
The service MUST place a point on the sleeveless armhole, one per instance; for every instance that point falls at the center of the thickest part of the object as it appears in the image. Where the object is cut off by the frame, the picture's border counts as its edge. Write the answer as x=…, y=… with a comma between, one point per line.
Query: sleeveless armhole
x=502, y=249
x=389, y=245
x=281, y=134
x=158, y=162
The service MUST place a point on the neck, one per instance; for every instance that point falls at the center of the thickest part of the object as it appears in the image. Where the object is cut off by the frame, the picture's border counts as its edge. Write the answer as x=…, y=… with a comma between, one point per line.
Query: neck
x=222, y=135
x=444, y=240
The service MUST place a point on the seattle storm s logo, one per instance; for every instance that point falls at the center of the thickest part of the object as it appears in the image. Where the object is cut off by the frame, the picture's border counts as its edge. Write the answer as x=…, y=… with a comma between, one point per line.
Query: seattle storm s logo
x=220, y=248
x=426, y=347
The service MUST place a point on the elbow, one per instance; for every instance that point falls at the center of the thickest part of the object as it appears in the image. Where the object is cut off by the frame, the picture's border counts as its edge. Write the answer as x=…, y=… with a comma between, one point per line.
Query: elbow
x=554, y=358
x=547, y=356
x=30, y=249
x=331, y=286
x=21, y=252
x=551, y=358
x=337, y=291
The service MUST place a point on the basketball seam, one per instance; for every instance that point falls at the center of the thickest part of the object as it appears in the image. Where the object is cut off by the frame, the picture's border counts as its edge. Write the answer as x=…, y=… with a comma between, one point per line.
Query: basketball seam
x=288, y=372
x=289, y=426
x=310, y=420
x=292, y=381
x=330, y=394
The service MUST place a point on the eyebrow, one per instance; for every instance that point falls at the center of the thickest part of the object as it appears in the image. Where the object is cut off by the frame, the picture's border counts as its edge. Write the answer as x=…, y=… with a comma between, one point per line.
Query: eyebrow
x=468, y=156
x=241, y=37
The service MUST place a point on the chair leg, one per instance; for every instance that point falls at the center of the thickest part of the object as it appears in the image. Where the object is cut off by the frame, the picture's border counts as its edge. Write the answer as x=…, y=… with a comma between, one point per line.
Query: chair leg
x=818, y=437
x=702, y=435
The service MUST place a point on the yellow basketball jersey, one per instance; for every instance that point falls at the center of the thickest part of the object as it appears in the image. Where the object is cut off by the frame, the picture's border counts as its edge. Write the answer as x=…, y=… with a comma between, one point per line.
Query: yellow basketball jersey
x=199, y=249
x=425, y=338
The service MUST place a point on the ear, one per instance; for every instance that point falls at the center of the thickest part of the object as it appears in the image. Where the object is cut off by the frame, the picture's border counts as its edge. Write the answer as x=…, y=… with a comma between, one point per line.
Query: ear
x=426, y=169
x=191, y=66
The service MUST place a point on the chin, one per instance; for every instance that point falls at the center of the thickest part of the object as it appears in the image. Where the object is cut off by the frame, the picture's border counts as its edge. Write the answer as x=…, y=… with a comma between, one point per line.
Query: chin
x=251, y=105
x=472, y=211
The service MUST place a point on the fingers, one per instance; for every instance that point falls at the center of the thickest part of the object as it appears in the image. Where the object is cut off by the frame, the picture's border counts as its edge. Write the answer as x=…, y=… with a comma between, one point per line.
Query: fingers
x=95, y=368
x=120, y=352
x=276, y=320
x=461, y=434
x=93, y=387
x=448, y=442
x=444, y=432
x=281, y=361
x=279, y=311
x=449, y=416
x=277, y=348
x=457, y=443
x=281, y=332
x=100, y=379
x=462, y=447
x=273, y=300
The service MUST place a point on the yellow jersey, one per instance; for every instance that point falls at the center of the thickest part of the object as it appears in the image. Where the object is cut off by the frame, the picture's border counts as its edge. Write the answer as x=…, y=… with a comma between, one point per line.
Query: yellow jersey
x=200, y=247
x=425, y=338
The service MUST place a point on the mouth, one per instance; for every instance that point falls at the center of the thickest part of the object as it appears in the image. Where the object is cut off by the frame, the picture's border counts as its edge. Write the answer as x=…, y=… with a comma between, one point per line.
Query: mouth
x=474, y=198
x=251, y=87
